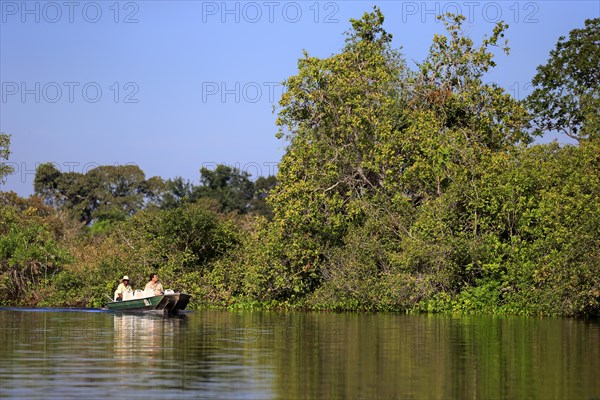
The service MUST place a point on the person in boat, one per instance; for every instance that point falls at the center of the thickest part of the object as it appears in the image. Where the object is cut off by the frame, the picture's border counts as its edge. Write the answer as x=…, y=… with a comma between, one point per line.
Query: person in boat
x=155, y=285
x=123, y=287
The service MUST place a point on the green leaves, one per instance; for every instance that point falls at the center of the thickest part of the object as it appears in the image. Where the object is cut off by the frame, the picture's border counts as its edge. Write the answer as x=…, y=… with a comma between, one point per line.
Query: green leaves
x=337, y=111
x=29, y=252
x=407, y=187
x=566, y=95
x=229, y=186
x=4, y=153
x=105, y=192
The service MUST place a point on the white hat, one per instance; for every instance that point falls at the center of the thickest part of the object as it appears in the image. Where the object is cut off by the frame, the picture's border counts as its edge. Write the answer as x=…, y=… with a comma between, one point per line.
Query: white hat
x=125, y=278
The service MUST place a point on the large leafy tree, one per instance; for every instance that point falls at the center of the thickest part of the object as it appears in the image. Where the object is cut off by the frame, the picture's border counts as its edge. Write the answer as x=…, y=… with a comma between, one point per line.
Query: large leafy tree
x=117, y=192
x=566, y=95
x=341, y=115
x=371, y=140
x=105, y=192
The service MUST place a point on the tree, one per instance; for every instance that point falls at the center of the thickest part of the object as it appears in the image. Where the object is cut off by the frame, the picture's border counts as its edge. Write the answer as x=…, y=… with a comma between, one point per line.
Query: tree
x=46, y=182
x=5, y=169
x=105, y=192
x=117, y=192
x=230, y=186
x=370, y=140
x=341, y=115
x=155, y=189
x=566, y=95
x=177, y=192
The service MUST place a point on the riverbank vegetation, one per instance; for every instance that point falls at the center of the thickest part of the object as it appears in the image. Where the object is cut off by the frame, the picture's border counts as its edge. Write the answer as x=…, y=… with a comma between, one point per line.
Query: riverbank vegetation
x=401, y=189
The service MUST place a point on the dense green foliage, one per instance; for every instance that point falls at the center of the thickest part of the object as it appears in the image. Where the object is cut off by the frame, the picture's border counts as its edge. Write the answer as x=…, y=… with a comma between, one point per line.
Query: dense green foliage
x=401, y=189
x=30, y=248
x=115, y=193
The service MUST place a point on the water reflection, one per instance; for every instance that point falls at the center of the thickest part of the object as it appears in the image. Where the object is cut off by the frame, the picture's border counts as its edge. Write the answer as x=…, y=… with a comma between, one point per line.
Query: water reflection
x=143, y=338
x=216, y=354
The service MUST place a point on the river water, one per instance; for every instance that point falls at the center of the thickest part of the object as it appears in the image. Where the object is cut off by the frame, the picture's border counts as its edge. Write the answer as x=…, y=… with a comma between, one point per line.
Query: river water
x=293, y=355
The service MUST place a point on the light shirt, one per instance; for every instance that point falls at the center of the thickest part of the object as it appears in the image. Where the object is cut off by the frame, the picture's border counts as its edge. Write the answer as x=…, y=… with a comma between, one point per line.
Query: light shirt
x=122, y=289
x=158, y=288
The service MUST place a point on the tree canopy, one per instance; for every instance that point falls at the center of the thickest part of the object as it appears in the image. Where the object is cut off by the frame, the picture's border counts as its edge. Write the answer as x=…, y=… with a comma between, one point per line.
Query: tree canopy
x=566, y=95
x=118, y=192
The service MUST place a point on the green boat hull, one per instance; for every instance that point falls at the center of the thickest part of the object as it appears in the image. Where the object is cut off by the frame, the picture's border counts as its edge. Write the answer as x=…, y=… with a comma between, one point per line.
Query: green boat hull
x=166, y=303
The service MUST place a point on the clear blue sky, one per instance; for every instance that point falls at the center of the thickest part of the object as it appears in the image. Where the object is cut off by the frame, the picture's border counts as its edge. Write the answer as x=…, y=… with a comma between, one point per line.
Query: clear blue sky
x=172, y=86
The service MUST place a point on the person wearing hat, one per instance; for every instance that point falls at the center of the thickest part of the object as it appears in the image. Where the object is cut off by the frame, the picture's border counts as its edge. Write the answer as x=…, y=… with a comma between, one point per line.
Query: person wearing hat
x=123, y=287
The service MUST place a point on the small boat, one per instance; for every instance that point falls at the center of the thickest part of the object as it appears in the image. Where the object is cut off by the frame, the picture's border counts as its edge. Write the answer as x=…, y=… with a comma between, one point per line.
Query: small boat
x=143, y=301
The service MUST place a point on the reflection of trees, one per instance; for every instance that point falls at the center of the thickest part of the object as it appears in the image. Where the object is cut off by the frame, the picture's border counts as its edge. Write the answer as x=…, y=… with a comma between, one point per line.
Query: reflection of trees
x=224, y=356
x=398, y=356
x=300, y=355
x=40, y=349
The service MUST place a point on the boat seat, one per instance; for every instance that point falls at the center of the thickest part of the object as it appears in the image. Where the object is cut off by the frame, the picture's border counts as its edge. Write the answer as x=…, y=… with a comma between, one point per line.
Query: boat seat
x=148, y=293
x=169, y=291
x=139, y=294
x=127, y=296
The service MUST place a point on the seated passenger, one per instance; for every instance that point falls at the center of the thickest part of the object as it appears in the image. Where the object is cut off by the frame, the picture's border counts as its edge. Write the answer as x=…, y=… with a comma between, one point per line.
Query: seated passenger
x=123, y=287
x=155, y=285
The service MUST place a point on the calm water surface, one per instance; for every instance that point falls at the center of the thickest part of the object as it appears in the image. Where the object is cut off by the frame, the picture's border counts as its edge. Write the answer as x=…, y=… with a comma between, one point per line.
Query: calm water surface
x=240, y=355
